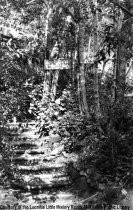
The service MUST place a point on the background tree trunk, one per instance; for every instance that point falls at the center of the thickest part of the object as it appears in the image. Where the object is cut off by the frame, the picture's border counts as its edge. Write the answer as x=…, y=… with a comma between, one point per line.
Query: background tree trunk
x=49, y=12
x=121, y=58
x=46, y=84
x=54, y=84
x=79, y=94
x=122, y=73
x=82, y=69
x=47, y=75
x=96, y=85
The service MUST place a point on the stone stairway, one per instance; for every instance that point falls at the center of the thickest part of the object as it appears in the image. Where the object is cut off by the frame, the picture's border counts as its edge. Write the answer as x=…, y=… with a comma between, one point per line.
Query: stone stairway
x=39, y=179
x=40, y=171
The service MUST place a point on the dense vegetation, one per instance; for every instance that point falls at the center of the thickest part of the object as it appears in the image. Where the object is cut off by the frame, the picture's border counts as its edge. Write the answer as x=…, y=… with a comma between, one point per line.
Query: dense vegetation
x=89, y=104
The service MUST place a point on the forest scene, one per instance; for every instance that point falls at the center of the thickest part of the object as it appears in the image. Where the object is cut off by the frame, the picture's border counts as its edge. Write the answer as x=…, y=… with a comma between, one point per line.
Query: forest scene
x=66, y=104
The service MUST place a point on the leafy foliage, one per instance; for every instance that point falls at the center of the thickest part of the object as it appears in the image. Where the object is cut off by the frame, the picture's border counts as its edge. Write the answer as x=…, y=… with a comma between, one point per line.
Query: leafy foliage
x=104, y=145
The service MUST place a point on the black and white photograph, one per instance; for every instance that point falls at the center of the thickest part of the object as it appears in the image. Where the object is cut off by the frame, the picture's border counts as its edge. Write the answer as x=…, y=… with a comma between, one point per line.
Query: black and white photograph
x=66, y=104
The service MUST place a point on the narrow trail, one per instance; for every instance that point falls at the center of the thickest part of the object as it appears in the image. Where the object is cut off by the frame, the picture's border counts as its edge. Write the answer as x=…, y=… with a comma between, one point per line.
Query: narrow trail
x=40, y=171
x=40, y=179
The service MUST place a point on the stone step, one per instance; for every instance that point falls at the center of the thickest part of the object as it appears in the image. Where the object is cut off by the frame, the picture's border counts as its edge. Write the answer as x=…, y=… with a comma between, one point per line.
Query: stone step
x=40, y=168
x=17, y=185
x=39, y=171
x=45, y=178
x=26, y=162
x=35, y=160
x=20, y=161
x=25, y=147
x=29, y=134
x=29, y=141
x=36, y=165
x=43, y=166
x=23, y=141
x=33, y=151
x=32, y=160
x=19, y=152
x=57, y=199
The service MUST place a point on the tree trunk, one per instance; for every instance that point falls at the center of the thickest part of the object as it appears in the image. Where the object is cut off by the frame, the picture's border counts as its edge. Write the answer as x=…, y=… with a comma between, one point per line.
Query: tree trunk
x=49, y=12
x=46, y=84
x=54, y=84
x=85, y=109
x=96, y=85
x=79, y=94
x=121, y=58
x=115, y=73
x=89, y=45
x=72, y=67
x=122, y=29
x=122, y=73
x=47, y=74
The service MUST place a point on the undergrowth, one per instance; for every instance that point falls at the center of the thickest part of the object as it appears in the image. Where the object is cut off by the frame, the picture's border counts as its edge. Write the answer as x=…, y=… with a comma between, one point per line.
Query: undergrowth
x=105, y=156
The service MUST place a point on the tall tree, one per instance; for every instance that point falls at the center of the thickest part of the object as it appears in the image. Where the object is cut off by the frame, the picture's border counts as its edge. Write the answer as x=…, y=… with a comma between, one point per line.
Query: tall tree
x=82, y=68
x=96, y=86
x=124, y=34
x=81, y=52
x=74, y=10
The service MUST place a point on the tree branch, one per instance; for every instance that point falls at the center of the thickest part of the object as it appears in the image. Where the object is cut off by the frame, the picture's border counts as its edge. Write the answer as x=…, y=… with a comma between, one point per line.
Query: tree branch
x=121, y=7
x=30, y=2
x=131, y=18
